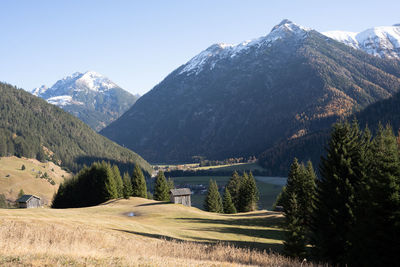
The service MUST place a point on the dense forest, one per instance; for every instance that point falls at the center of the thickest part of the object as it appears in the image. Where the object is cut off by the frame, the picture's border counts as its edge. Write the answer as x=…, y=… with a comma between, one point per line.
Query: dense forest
x=32, y=128
x=350, y=214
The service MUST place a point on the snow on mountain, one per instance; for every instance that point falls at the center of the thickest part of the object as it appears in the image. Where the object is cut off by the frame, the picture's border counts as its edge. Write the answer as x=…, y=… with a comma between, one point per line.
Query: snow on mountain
x=90, y=96
x=216, y=52
x=61, y=100
x=378, y=41
x=39, y=90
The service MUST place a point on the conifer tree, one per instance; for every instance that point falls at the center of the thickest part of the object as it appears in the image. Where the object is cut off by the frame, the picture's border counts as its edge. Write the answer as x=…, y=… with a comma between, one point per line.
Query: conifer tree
x=161, y=189
x=171, y=184
x=118, y=181
x=213, y=201
x=127, y=189
x=335, y=203
x=138, y=183
x=294, y=243
x=229, y=207
x=378, y=217
x=106, y=181
x=234, y=187
x=248, y=194
x=21, y=193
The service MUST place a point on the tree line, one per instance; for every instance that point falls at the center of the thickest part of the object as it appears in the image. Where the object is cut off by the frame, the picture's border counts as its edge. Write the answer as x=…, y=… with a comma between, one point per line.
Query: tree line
x=240, y=195
x=349, y=215
x=102, y=182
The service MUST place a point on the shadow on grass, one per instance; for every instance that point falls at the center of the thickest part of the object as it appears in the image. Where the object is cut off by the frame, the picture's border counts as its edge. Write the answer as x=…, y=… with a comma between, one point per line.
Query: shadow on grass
x=274, y=221
x=207, y=241
x=154, y=204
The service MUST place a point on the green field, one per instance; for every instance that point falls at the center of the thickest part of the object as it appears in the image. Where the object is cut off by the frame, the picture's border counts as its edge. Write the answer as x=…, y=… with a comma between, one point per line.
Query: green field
x=268, y=192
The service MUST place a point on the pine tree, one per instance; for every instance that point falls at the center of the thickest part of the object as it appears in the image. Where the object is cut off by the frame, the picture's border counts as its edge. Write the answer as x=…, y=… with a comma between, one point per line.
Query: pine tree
x=171, y=184
x=107, y=181
x=138, y=183
x=299, y=191
x=21, y=193
x=161, y=190
x=378, y=216
x=234, y=187
x=118, y=181
x=23, y=167
x=248, y=194
x=127, y=189
x=213, y=201
x=229, y=207
x=294, y=244
x=335, y=203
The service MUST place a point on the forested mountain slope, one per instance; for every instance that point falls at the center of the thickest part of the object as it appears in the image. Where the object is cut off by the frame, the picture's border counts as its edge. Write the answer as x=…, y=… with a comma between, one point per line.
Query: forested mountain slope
x=32, y=128
x=239, y=100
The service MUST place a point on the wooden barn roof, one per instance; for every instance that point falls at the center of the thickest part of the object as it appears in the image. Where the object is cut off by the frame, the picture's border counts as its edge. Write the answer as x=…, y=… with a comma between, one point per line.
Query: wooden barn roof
x=180, y=192
x=26, y=198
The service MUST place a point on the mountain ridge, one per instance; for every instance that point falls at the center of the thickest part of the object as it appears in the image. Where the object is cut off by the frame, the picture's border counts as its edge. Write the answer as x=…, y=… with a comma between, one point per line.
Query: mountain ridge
x=240, y=100
x=90, y=96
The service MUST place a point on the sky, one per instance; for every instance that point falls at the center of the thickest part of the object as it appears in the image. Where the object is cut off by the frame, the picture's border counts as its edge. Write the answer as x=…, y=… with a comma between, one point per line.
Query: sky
x=138, y=43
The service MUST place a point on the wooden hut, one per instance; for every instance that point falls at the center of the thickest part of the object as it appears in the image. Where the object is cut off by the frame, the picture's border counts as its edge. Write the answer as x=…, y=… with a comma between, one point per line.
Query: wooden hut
x=181, y=196
x=29, y=201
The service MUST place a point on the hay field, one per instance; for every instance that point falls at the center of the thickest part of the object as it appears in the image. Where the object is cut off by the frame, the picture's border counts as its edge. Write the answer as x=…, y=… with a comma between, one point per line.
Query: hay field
x=159, y=234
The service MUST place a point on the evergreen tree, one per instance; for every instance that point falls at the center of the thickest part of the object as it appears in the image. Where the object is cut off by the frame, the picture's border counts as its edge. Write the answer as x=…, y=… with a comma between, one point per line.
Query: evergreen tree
x=229, y=207
x=106, y=181
x=213, y=201
x=21, y=193
x=138, y=183
x=248, y=194
x=335, y=203
x=127, y=189
x=299, y=191
x=378, y=216
x=171, y=184
x=294, y=244
x=23, y=167
x=161, y=189
x=234, y=187
x=118, y=181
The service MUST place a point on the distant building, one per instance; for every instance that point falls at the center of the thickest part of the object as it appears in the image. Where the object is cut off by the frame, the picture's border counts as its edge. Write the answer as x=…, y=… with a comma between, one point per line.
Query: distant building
x=181, y=196
x=29, y=201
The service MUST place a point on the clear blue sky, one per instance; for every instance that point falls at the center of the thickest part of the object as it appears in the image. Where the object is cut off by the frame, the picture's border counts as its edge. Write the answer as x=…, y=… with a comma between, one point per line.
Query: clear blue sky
x=137, y=43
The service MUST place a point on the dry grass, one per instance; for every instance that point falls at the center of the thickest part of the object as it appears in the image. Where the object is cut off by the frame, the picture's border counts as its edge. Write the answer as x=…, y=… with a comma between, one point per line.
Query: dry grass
x=26, y=179
x=102, y=236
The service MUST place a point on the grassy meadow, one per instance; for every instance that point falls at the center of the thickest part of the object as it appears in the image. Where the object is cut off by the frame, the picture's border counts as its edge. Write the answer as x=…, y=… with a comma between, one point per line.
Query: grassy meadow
x=268, y=192
x=159, y=234
x=13, y=178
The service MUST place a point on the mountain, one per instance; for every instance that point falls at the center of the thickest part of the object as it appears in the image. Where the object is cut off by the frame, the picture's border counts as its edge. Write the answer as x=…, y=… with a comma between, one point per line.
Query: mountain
x=90, y=96
x=378, y=41
x=32, y=128
x=239, y=100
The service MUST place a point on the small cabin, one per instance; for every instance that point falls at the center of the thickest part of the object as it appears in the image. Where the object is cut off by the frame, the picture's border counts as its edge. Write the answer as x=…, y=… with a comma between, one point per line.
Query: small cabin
x=29, y=201
x=181, y=196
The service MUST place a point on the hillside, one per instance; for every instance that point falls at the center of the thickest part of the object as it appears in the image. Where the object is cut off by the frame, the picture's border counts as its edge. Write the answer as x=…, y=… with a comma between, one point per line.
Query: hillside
x=240, y=100
x=32, y=180
x=90, y=96
x=310, y=147
x=159, y=234
x=32, y=128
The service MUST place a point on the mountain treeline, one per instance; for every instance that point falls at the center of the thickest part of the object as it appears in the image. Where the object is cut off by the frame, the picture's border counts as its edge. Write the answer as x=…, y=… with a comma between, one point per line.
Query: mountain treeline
x=351, y=214
x=32, y=128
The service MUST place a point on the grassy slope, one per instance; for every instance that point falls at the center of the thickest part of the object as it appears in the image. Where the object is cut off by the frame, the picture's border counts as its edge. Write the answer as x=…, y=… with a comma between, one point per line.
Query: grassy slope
x=26, y=179
x=268, y=192
x=104, y=235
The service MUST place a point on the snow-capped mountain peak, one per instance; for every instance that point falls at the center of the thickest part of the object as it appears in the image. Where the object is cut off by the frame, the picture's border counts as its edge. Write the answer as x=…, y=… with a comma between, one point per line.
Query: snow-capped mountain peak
x=219, y=51
x=39, y=90
x=95, y=81
x=383, y=41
